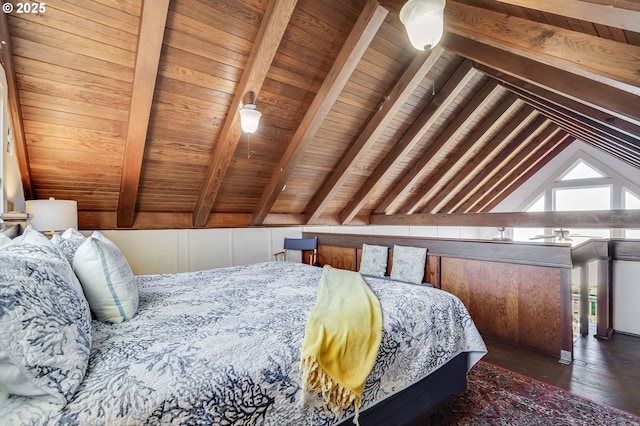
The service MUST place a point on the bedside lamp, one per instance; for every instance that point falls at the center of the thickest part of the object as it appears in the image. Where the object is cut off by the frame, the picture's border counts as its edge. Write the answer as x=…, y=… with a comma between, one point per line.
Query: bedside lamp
x=50, y=216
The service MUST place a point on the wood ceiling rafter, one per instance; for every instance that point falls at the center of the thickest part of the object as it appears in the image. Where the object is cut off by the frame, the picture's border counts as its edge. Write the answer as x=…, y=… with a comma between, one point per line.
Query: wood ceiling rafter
x=398, y=95
x=13, y=98
x=265, y=46
x=614, y=65
x=478, y=135
x=620, y=14
x=456, y=183
x=515, y=153
x=363, y=32
x=586, y=128
x=472, y=175
x=623, y=153
x=565, y=140
x=425, y=162
x=525, y=160
x=152, y=25
x=446, y=95
x=530, y=91
x=582, y=121
x=608, y=99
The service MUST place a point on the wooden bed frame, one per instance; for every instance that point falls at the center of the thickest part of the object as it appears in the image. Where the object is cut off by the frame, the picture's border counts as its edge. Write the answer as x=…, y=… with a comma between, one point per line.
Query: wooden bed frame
x=516, y=292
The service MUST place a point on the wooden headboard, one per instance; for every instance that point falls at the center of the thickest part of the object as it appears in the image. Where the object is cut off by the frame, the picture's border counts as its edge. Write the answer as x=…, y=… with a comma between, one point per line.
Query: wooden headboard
x=516, y=292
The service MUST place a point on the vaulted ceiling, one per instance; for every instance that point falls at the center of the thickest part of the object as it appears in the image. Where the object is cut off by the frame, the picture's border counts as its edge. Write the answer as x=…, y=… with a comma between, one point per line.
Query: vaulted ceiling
x=131, y=108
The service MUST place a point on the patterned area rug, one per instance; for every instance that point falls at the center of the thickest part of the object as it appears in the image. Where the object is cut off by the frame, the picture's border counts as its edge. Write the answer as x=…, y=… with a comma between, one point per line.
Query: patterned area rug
x=496, y=396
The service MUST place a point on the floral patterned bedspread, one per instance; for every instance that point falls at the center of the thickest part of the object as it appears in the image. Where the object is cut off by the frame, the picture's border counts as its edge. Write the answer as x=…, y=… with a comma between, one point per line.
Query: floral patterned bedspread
x=222, y=346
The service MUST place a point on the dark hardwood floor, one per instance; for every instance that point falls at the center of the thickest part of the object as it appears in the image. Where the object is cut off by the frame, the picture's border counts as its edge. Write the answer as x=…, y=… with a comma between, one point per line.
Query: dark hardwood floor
x=605, y=371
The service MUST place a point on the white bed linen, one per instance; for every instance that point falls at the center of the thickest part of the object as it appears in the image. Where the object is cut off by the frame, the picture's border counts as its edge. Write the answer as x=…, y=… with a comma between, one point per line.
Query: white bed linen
x=222, y=346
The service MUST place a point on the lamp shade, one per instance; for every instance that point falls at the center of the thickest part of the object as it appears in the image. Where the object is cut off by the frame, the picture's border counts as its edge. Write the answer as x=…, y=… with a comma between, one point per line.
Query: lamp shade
x=249, y=118
x=52, y=214
x=424, y=22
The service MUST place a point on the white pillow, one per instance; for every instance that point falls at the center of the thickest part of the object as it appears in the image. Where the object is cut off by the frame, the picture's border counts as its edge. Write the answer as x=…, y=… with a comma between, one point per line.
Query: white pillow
x=69, y=242
x=374, y=260
x=408, y=264
x=107, y=279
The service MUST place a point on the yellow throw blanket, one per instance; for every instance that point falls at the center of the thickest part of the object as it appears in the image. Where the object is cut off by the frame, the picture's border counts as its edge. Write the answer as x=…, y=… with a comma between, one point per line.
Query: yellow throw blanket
x=341, y=341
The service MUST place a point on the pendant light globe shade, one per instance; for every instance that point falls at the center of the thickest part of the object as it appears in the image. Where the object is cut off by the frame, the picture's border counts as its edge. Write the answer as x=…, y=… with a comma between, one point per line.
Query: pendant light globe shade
x=424, y=22
x=249, y=118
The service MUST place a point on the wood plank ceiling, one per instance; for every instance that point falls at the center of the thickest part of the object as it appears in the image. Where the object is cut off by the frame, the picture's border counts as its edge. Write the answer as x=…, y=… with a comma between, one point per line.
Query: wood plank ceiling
x=131, y=107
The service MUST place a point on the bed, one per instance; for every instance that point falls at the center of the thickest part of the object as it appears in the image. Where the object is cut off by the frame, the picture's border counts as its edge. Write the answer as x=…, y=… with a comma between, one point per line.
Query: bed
x=222, y=346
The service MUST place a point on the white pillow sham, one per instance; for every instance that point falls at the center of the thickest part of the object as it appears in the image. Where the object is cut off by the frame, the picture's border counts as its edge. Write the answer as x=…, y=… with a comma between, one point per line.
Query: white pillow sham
x=107, y=279
x=374, y=260
x=408, y=264
x=69, y=242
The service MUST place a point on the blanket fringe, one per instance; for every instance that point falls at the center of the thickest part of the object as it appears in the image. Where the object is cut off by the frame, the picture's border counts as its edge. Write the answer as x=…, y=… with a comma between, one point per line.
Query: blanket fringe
x=335, y=396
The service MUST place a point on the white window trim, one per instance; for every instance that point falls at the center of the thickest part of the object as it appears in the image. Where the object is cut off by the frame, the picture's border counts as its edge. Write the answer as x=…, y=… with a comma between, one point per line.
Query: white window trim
x=617, y=182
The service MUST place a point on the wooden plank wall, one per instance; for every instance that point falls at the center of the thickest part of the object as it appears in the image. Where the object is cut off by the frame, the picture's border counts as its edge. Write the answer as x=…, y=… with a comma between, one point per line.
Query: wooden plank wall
x=519, y=293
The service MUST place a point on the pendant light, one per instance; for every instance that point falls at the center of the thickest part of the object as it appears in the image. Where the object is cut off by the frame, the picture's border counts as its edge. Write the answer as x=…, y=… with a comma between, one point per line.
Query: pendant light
x=249, y=115
x=424, y=22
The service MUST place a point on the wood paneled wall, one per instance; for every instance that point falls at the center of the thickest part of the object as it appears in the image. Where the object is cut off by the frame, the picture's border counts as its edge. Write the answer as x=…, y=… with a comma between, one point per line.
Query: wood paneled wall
x=519, y=304
x=518, y=293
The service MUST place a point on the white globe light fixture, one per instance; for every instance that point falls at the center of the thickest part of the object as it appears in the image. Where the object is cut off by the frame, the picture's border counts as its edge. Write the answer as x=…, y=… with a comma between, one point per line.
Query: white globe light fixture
x=249, y=118
x=249, y=115
x=424, y=22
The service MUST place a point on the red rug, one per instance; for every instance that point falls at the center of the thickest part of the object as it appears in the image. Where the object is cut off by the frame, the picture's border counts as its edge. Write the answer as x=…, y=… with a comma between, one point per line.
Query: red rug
x=496, y=396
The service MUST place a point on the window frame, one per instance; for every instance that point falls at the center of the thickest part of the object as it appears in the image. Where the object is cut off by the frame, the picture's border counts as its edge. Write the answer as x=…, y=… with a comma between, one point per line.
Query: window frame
x=618, y=184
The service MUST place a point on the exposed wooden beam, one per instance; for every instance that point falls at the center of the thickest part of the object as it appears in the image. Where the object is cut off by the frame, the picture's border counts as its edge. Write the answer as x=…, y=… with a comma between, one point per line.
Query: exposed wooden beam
x=272, y=28
x=622, y=153
x=613, y=101
x=365, y=28
x=456, y=187
x=13, y=98
x=473, y=140
x=625, y=15
x=529, y=91
x=152, y=24
x=498, y=157
x=426, y=161
x=590, y=125
x=514, y=153
x=463, y=74
x=611, y=140
x=615, y=63
x=577, y=219
x=526, y=175
x=402, y=90
x=162, y=220
x=624, y=145
x=521, y=164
